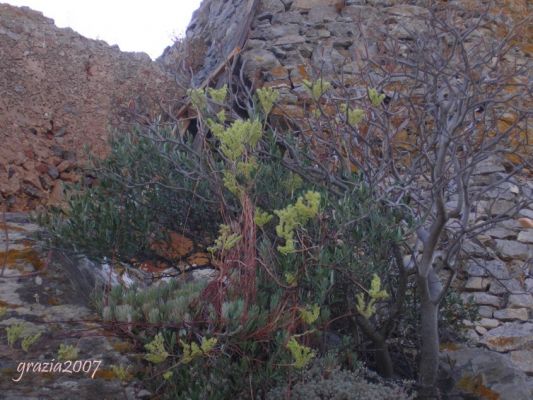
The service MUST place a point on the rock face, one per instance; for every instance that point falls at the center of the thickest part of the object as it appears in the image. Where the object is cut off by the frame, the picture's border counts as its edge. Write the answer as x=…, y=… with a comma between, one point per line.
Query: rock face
x=59, y=93
x=36, y=296
x=483, y=374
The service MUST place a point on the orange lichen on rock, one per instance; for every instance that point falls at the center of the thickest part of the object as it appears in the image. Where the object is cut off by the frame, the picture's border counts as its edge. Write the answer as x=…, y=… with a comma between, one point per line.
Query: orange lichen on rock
x=474, y=385
x=14, y=258
x=199, y=259
x=175, y=247
x=153, y=266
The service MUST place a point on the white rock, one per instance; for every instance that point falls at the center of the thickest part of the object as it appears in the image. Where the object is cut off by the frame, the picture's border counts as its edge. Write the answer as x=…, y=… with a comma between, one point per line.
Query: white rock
x=481, y=330
x=526, y=236
x=477, y=283
x=489, y=323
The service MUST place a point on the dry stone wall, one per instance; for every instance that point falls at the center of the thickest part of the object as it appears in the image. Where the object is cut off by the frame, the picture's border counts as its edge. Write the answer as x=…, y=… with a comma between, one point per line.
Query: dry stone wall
x=60, y=92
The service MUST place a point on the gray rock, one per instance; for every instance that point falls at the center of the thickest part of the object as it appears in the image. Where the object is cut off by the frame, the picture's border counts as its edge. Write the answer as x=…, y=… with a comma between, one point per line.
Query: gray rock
x=474, y=249
x=289, y=39
x=526, y=236
x=341, y=29
x=503, y=286
x=497, y=373
x=271, y=6
x=523, y=360
x=499, y=207
x=481, y=330
x=259, y=59
x=327, y=59
x=493, y=268
x=520, y=300
x=511, y=314
x=290, y=17
x=511, y=249
x=309, y=4
x=526, y=212
x=489, y=166
x=510, y=336
x=486, y=311
x=483, y=299
x=501, y=233
x=529, y=284
x=322, y=14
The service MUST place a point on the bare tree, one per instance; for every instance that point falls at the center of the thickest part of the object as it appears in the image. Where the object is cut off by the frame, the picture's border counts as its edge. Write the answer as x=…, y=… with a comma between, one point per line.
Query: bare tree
x=441, y=98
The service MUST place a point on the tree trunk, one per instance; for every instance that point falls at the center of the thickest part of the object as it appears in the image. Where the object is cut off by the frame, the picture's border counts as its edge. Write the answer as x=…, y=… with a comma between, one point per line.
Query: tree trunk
x=384, y=360
x=382, y=355
x=429, y=352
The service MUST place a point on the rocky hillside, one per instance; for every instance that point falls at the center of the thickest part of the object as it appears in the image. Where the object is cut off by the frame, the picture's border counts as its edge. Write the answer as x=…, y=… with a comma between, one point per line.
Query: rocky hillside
x=60, y=92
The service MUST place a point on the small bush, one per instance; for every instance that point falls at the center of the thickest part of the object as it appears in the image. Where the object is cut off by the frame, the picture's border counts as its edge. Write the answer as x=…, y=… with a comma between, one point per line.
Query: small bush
x=322, y=383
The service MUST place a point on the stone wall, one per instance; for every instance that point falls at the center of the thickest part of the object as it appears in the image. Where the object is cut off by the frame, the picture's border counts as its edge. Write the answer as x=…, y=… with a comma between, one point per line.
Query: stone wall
x=60, y=92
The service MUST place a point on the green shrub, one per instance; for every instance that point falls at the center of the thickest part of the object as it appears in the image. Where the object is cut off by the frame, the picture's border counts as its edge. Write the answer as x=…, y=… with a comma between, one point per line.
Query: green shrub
x=145, y=186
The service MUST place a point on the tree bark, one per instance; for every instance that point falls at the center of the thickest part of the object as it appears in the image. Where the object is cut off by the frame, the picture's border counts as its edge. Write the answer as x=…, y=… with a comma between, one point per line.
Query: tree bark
x=429, y=352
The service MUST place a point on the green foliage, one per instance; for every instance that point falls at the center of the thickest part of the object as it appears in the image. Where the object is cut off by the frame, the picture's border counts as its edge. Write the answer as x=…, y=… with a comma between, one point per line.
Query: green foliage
x=267, y=98
x=375, y=293
x=375, y=98
x=454, y=310
x=218, y=95
x=323, y=263
x=121, y=372
x=302, y=354
x=310, y=315
x=156, y=352
x=14, y=333
x=67, y=352
x=29, y=340
x=226, y=239
x=235, y=139
x=3, y=311
x=317, y=88
x=261, y=217
x=353, y=116
x=168, y=302
x=294, y=216
x=198, y=99
x=192, y=350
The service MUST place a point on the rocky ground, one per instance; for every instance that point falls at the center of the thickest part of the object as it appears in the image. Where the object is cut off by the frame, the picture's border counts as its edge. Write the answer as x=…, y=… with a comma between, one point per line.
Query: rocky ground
x=37, y=295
